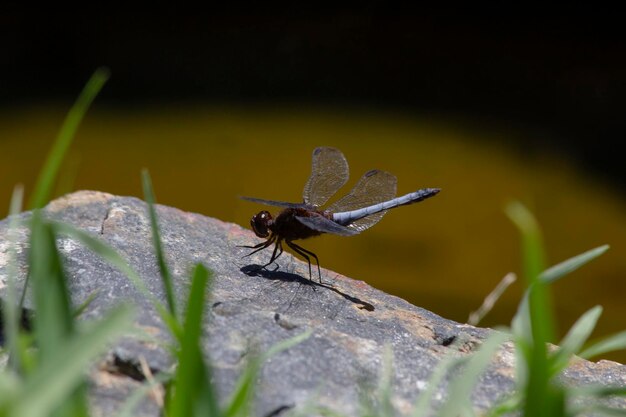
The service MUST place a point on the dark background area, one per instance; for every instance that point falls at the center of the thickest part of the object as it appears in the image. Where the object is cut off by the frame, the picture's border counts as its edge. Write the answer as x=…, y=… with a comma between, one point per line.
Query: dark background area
x=244, y=99
x=562, y=78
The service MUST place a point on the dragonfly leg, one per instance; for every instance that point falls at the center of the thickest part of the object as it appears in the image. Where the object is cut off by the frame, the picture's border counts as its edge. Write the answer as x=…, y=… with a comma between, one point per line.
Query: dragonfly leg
x=279, y=248
x=304, y=253
x=260, y=246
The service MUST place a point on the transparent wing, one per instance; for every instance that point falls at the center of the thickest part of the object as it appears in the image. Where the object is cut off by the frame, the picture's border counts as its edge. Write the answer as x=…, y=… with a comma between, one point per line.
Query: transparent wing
x=274, y=203
x=322, y=224
x=329, y=172
x=374, y=187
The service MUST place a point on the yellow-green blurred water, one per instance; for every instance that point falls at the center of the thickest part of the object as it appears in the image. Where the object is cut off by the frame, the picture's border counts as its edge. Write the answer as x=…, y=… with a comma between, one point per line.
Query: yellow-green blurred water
x=444, y=254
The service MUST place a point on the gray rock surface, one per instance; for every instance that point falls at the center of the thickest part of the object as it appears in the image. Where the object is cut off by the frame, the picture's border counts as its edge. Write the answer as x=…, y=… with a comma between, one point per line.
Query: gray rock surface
x=250, y=311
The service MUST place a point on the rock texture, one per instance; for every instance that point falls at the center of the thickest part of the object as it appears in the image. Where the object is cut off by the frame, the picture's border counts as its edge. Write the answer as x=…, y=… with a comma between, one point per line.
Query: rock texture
x=250, y=311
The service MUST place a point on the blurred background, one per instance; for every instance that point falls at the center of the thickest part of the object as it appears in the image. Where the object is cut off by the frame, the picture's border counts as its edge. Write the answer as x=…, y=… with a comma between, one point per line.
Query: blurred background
x=490, y=109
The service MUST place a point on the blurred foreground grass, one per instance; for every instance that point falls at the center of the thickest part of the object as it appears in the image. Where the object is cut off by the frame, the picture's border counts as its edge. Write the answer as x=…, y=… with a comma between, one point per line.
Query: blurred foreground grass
x=444, y=254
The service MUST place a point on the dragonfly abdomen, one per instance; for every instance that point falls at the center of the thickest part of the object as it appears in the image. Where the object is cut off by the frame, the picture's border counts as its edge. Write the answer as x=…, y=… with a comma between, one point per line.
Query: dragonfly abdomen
x=347, y=217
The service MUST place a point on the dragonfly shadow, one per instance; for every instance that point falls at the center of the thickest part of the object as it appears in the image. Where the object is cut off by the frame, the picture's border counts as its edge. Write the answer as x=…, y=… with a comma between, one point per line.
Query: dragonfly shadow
x=258, y=270
x=254, y=270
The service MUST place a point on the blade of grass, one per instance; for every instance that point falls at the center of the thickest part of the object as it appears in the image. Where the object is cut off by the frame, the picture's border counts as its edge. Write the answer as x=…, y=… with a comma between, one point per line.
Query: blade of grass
x=158, y=392
x=64, y=139
x=15, y=206
x=327, y=412
x=284, y=345
x=67, y=174
x=129, y=405
x=533, y=261
x=540, y=399
x=11, y=311
x=29, y=359
x=423, y=404
x=520, y=325
x=601, y=410
x=460, y=390
x=575, y=339
x=83, y=306
x=476, y=316
x=309, y=407
x=385, y=384
x=192, y=391
x=589, y=400
x=113, y=258
x=47, y=176
x=240, y=402
x=156, y=238
x=10, y=386
x=600, y=391
x=53, y=322
x=54, y=380
x=563, y=268
x=506, y=407
x=608, y=344
x=105, y=251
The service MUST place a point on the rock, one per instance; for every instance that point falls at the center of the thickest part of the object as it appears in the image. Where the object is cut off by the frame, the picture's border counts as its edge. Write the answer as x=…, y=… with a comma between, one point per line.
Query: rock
x=249, y=311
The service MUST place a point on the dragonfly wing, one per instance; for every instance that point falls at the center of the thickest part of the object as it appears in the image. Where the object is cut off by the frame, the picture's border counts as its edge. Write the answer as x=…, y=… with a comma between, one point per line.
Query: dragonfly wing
x=274, y=203
x=374, y=187
x=329, y=172
x=322, y=224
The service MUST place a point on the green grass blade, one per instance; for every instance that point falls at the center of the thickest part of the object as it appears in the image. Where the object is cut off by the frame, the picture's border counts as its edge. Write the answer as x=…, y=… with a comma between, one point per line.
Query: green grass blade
x=601, y=410
x=241, y=399
x=106, y=252
x=53, y=322
x=609, y=344
x=310, y=407
x=575, y=338
x=533, y=261
x=590, y=400
x=83, y=306
x=66, y=178
x=520, y=325
x=599, y=391
x=423, y=404
x=506, y=407
x=47, y=176
x=458, y=402
x=240, y=402
x=541, y=399
x=10, y=386
x=10, y=307
x=591, y=396
x=156, y=238
x=522, y=333
x=286, y=344
x=130, y=403
x=385, y=385
x=113, y=258
x=557, y=271
x=327, y=412
x=52, y=382
x=192, y=391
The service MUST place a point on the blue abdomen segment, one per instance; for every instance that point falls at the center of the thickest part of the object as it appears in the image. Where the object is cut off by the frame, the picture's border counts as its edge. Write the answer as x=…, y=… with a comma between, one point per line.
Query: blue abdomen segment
x=346, y=217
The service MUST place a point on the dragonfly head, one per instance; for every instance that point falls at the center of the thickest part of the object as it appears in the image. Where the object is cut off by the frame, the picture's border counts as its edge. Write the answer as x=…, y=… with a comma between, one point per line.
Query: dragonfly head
x=261, y=223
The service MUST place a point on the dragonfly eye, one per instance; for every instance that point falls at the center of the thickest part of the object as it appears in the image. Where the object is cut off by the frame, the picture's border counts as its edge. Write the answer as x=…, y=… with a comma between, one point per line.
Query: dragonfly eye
x=260, y=223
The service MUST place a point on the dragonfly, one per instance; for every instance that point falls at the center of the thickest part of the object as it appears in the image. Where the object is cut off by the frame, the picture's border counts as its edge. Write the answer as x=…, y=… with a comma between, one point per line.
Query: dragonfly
x=360, y=209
